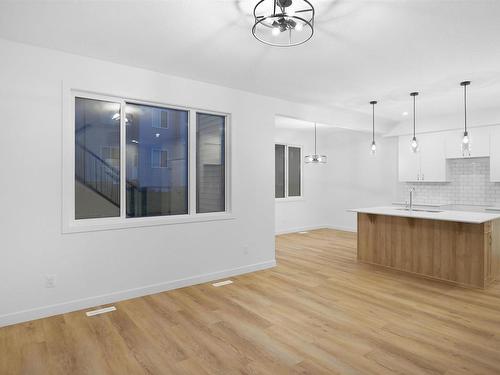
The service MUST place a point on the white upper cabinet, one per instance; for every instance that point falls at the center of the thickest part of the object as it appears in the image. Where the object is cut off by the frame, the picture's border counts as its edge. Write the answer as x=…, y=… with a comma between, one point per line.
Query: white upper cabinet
x=479, y=143
x=409, y=162
x=432, y=157
x=428, y=164
x=495, y=154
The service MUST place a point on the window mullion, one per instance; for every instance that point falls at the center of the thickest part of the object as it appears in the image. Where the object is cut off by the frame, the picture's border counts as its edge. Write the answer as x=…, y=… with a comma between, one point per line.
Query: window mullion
x=286, y=171
x=123, y=161
x=192, y=162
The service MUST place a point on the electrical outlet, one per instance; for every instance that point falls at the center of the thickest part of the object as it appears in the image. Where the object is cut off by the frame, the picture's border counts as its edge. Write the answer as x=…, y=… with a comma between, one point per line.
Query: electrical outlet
x=50, y=281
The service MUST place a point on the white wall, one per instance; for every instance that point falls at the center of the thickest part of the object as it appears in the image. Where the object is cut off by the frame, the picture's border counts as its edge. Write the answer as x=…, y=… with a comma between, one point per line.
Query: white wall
x=353, y=177
x=356, y=177
x=307, y=212
x=99, y=267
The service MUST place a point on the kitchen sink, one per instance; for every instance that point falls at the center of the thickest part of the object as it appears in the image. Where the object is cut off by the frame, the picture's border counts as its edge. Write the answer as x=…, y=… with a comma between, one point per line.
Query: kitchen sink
x=418, y=210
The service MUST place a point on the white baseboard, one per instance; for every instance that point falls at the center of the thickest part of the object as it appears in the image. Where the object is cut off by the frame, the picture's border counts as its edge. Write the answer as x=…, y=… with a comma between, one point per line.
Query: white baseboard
x=300, y=229
x=304, y=229
x=84, y=303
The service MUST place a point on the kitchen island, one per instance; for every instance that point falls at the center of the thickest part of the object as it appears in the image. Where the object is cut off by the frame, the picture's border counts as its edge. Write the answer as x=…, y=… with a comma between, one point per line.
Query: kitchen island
x=459, y=247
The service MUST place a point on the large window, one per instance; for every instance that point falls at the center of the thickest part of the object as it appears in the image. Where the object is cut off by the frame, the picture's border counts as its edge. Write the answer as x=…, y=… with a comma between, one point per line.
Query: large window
x=288, y=171
x=133, y=160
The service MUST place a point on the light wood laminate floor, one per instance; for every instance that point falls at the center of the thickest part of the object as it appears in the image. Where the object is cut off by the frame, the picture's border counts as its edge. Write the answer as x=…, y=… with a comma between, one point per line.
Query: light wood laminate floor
x=317, y=312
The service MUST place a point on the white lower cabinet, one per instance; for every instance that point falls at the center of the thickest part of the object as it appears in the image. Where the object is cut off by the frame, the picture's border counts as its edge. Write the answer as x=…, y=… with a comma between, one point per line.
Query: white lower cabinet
x=495, y=154
x=428, y=164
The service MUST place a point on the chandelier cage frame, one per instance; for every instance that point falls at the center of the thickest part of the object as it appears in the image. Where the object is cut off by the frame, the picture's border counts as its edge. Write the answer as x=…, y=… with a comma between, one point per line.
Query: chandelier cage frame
x=284, y=18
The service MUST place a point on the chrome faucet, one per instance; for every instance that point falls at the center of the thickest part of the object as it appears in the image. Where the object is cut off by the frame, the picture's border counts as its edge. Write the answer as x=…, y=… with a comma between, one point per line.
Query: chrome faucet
x=410, y=204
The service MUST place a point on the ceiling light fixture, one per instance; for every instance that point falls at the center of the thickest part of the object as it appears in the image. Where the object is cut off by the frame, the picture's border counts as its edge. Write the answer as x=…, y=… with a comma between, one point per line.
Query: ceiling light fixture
x=374, y=146
x=465, y=139
x=315, y=158
x=283, y=23
x=414, y=142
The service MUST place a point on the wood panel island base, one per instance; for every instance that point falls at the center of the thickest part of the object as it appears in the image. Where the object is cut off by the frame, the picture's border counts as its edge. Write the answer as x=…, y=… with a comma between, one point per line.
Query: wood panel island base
x=463, y=253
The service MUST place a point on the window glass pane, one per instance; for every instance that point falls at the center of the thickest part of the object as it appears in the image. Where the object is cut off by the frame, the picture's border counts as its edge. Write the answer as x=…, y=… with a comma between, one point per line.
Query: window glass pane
x=157, y=161
x=294, y=161
x=210, y=163
x=279, y=171
x=97, y=159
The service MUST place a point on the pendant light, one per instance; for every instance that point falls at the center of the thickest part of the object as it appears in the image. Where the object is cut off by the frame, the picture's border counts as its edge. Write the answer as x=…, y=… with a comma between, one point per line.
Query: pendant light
x=374, y=146
x=414, y=142
x=283, y=23
x=465, y=139
x=315, y=158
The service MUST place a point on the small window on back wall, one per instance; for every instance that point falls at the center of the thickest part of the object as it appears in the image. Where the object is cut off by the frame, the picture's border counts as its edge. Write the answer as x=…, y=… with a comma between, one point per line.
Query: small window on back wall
x=288, y=171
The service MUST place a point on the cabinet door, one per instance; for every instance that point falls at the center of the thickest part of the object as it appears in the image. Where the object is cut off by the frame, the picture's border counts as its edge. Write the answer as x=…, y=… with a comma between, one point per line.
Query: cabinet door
x=432, y=157
x=408, y=162
x=495, y=154
x=479, y=143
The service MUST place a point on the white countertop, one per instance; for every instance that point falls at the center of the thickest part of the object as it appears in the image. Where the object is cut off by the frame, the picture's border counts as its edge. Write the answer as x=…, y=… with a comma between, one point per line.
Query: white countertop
x=425, y=213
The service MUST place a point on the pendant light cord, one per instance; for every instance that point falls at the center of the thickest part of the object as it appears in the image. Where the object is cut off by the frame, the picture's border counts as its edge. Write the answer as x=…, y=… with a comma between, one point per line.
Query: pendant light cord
x=414, y=94
x=373, y=102
x=373, y=122
x=315, y=153
x=465, y=107
x=414, y=116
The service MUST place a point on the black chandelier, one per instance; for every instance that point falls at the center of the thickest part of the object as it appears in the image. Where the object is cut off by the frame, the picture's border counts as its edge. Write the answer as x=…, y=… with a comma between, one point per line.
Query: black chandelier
x=283, y=23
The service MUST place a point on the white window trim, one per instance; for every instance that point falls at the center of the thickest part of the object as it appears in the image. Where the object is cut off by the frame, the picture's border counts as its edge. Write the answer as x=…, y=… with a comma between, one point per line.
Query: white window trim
x=300, y=197
x=71, y=225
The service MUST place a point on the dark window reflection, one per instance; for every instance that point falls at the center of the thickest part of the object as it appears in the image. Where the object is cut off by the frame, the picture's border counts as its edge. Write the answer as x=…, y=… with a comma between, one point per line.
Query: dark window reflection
x=279, y=171
x=210, y=163
x=157, y=161
x=97, y=159
x=294, y=162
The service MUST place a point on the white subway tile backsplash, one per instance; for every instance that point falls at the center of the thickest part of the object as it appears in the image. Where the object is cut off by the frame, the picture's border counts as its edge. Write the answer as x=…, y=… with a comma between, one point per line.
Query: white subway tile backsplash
x=469, y=183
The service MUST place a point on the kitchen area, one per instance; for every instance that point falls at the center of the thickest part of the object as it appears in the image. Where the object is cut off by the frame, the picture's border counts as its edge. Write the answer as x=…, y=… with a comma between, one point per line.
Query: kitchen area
x=445, y=222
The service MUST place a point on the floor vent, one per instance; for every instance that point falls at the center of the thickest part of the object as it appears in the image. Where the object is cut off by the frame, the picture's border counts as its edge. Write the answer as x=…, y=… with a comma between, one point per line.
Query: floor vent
x=101, y=311
x=222, y=283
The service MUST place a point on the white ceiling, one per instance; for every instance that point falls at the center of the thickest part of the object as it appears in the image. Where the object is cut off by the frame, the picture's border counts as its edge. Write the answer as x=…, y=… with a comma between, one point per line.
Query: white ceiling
x=362, y=50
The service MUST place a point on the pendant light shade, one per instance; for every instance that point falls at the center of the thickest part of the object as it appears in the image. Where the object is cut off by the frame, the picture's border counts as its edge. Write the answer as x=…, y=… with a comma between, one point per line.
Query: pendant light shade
x=374, y=145
x=465, y=139
x=414, y=142
x=315, y=158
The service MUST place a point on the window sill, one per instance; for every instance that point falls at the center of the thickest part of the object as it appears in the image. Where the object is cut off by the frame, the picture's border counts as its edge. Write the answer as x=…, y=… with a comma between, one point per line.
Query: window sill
x=289, y=199
x=91, y=225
